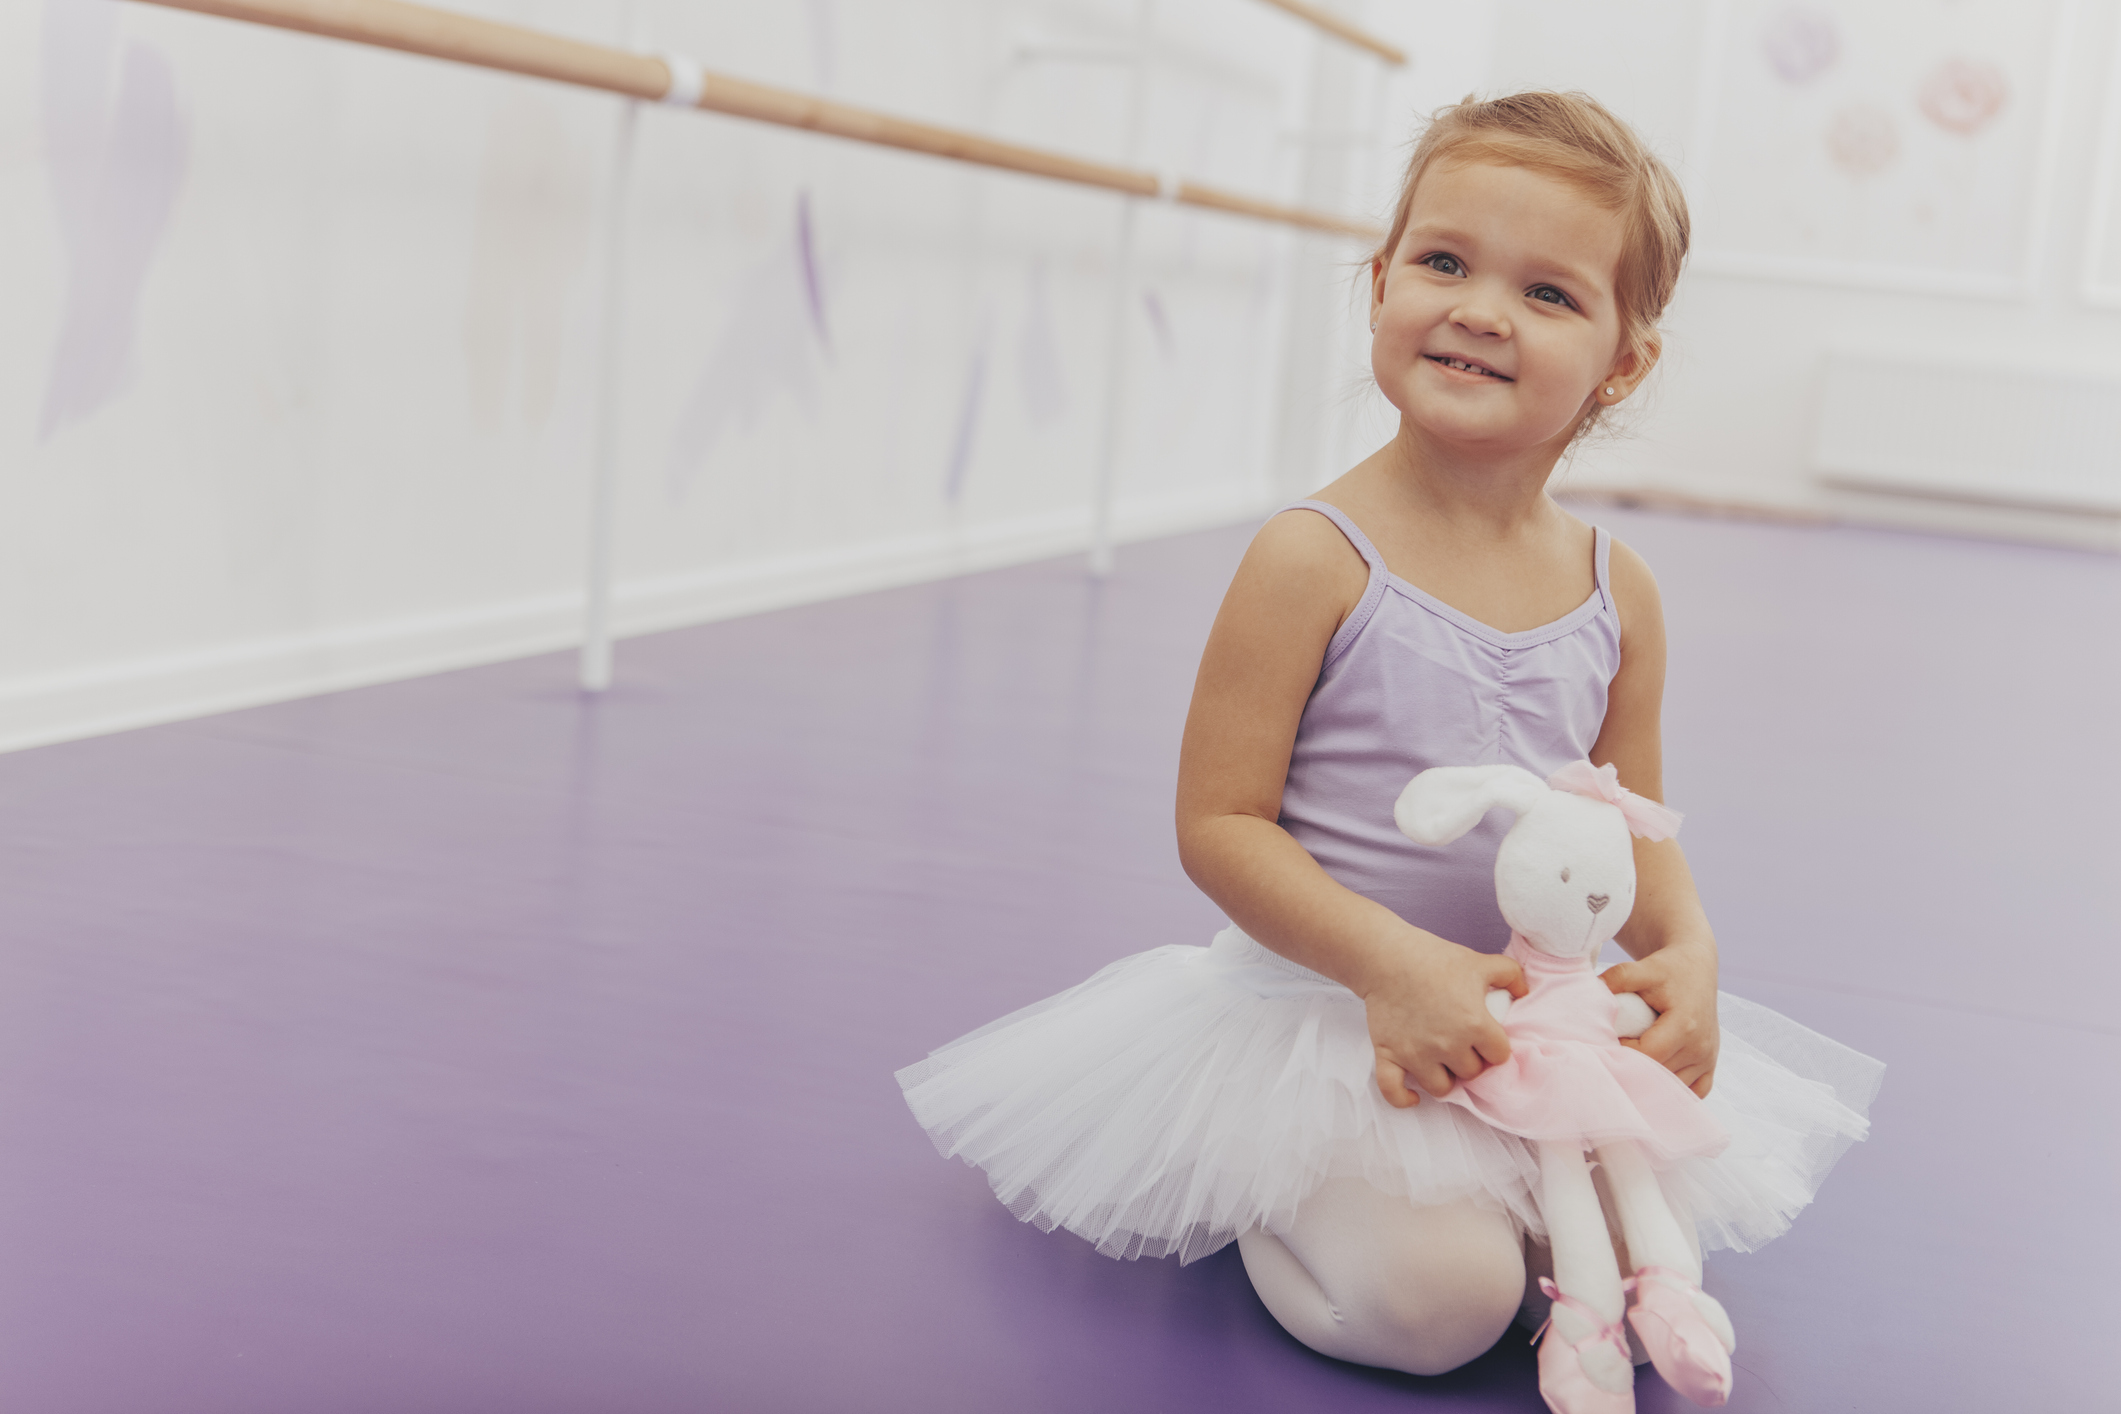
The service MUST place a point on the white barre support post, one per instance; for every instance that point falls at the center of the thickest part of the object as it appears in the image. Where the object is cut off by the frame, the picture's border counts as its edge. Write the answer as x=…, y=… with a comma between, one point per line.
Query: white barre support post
x=604, y=489
x=1103, y=555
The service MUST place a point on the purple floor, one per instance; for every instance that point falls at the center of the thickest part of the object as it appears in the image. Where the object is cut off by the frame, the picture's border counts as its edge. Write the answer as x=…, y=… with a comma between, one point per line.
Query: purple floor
x=461, y=1045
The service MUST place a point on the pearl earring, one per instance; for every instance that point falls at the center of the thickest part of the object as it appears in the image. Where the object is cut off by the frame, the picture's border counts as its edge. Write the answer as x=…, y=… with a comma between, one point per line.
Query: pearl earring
x=1609, y=392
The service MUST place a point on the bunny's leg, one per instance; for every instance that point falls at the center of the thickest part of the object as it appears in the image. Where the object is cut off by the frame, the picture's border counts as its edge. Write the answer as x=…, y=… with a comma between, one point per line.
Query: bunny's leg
x=1654, y=1236
x=1685, y=1329
x=1583, y=1361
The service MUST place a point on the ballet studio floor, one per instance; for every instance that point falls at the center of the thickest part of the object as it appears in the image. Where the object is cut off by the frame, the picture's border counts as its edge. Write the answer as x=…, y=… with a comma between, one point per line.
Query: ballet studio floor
x=464, y=1045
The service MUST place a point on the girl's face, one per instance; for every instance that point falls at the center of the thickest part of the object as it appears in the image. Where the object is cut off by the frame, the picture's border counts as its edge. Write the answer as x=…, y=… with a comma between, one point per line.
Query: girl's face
x=1496, y=319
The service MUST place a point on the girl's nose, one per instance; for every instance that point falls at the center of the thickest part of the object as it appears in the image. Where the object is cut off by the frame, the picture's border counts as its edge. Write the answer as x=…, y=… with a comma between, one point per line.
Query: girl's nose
x=1597, y=902
x=1478, y=316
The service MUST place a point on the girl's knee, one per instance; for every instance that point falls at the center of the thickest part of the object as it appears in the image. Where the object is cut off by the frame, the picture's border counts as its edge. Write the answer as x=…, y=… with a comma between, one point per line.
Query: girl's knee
x=1424, y=1294
x=1294, y=1298
x=1454, y=1311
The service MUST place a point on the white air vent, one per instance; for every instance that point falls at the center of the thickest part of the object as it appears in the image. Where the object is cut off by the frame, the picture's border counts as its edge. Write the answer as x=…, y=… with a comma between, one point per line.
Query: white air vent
x=1953, y=427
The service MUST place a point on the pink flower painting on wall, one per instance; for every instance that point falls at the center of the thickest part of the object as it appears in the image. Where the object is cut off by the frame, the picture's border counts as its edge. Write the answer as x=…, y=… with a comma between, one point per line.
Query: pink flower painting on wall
x=1893, y=143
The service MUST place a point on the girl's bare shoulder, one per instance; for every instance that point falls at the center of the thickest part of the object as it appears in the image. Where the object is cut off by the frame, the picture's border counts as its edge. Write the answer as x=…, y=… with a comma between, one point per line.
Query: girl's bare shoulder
x=1635, y=596
x=1300, y=560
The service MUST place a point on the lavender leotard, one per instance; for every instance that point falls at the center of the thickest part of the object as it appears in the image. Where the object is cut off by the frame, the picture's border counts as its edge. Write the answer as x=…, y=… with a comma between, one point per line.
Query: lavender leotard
x=1410, y=682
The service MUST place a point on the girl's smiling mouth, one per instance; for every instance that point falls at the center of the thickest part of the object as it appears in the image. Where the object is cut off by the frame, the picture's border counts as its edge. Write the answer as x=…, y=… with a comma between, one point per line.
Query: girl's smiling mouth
x=1465, y=365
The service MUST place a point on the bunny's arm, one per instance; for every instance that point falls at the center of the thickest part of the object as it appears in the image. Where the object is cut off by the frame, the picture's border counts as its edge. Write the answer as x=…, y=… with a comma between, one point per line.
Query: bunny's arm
x=1631, y=1014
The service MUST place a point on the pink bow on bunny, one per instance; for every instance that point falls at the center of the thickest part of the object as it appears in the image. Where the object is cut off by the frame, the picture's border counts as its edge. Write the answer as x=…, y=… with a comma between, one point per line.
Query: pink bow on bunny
x=1645, y=817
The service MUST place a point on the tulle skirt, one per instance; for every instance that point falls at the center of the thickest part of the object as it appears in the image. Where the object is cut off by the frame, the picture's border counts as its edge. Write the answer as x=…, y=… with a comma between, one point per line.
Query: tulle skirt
x=1186, y=1095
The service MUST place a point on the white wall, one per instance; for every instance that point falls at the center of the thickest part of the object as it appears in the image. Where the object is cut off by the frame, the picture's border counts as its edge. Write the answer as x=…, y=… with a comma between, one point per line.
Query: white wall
x=297, y=339
x=1735, y=413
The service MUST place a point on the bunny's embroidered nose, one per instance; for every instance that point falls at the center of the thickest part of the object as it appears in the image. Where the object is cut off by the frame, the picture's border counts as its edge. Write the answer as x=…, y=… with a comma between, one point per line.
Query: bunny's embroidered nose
x=1598, y=902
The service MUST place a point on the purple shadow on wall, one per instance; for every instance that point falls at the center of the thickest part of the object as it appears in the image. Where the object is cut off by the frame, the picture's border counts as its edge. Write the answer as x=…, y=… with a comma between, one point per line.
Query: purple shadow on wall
x=806, y=255
x=770, y=339
x=115, y=164
x=968, y=410
x=1159, y=323
x=1039, y=370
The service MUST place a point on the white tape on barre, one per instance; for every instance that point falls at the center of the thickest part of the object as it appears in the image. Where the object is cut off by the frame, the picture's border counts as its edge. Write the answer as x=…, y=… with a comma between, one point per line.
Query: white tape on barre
x=687, y=82
x=1168, y=184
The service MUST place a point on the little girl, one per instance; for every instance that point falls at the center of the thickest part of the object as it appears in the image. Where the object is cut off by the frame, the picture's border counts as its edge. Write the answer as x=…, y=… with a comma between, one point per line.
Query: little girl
x=1432, y=607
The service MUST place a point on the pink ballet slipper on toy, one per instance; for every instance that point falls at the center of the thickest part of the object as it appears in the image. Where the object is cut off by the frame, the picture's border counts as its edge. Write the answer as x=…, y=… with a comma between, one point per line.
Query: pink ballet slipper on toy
x=1580, y=1377
x=1678, y=1324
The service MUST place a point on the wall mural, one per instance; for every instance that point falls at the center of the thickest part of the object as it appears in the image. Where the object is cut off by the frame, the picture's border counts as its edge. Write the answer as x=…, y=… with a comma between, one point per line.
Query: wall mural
x=1878, y=142
x=115, y=145
x=287, y=312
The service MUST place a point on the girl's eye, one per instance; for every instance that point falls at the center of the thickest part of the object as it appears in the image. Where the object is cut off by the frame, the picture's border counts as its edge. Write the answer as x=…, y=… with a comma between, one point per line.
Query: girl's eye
x=1444, y=264
x=1547, y=294
x=1564, y=876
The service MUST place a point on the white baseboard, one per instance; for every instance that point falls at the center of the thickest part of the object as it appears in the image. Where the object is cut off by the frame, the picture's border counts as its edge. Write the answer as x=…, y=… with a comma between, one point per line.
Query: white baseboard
x=1667, y=501
x=140, y=692
x=1842, y=503
x=1901, y=508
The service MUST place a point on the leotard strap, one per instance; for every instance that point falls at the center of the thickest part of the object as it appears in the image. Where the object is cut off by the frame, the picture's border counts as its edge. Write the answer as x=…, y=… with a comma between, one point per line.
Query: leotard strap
x=1372, y=595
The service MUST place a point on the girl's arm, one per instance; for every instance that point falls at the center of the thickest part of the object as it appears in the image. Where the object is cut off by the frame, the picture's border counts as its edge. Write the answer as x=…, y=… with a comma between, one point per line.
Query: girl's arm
x=1668, y=933
x=1425, y=997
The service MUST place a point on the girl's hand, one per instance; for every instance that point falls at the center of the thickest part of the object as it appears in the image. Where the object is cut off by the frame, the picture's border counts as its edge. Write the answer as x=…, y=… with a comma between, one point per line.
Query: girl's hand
x=1679, y=983
x=1429, y=1017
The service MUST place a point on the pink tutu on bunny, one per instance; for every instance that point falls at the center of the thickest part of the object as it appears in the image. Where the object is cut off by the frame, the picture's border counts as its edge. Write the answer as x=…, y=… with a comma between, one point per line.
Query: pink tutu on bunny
x=1569, y=1078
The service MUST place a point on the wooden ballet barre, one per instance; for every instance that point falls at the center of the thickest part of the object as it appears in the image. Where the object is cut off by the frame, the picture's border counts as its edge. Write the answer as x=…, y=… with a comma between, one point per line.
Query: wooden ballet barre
x=489, y=44
x=1340, y=29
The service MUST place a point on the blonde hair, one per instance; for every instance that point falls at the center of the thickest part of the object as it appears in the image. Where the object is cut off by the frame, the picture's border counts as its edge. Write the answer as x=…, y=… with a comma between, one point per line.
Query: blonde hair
x=1572, y=137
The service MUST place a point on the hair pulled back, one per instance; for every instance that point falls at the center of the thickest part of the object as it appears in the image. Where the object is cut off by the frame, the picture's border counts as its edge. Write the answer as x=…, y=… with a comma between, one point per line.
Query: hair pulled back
x=1572, y=137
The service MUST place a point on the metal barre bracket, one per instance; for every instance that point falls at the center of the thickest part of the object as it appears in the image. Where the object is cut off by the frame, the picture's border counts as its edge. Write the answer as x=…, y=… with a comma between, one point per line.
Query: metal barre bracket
x=688, y=81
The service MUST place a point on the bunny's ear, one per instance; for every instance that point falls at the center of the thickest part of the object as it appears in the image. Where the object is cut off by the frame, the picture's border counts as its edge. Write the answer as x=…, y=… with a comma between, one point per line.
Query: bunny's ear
x=1444, y=802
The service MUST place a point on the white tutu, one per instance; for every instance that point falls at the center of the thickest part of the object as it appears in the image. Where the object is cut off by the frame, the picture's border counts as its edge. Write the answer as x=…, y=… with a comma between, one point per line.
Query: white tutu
x=1185, y=1095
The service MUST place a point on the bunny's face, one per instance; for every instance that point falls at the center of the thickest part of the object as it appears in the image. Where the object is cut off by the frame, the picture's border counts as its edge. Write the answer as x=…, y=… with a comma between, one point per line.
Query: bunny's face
x=1565, y=876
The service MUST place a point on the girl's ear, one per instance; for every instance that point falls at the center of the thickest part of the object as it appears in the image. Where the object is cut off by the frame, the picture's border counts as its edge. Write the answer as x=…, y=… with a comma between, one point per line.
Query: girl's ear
x=1444, y=802
x=1377, y=285
x=1635, y=363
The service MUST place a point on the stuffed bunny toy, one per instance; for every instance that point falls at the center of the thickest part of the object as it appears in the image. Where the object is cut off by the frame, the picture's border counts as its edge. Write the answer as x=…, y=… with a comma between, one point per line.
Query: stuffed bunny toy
x=1565, y=877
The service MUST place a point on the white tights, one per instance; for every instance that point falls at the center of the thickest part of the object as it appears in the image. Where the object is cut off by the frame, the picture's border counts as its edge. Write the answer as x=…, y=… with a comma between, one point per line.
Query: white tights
x=1367, y=1277
x=1363, y=1276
